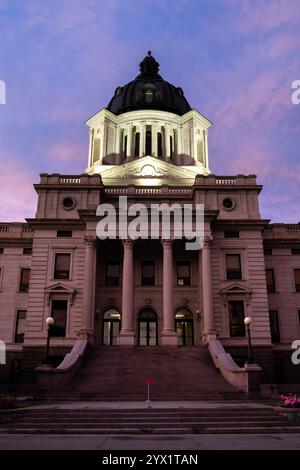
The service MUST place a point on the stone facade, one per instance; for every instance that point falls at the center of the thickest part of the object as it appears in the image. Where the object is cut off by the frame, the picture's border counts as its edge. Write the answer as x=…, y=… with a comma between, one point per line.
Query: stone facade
x=100, y=286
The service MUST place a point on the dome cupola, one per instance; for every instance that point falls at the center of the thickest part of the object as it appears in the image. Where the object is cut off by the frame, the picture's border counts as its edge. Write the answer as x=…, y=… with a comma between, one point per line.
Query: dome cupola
x=149, y=91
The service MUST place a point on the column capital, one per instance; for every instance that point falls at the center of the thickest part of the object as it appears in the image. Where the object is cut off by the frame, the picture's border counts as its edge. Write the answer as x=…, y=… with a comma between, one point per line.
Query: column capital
x=90, y=241
x=208, y=241
x=167, y=243
x=128, y=243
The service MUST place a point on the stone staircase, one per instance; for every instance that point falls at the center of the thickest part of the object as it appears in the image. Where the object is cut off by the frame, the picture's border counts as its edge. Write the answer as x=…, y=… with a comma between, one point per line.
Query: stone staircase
x=119, y=373
x=215, y=419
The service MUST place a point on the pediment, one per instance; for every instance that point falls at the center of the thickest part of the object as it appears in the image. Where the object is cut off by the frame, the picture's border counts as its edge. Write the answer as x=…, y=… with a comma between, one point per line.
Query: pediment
x=60, y=289
x=149, y=169
x=236, y=289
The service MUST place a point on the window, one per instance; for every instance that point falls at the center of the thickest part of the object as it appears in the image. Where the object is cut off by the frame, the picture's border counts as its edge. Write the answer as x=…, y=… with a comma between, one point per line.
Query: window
x=231, y=234
x=62, y=266
x=137, y=145
x=268, y=251
x=112, y=274
x=148, y=274
x=228, y=203
x=148, y=96
x=20, y=326
x=24, y=280
x=233, y=267
x=159, y=145
x=27, y=251
x=1, y=251
x=183, y=273
x=171, y=146
x=295, y=251
x=68, y=203
x=270, y=278
x=148, y=143
x=64, y=233
x=297, y=279
x=125, y=146
x=59, y=313
x=236, y=318
x=274, y=326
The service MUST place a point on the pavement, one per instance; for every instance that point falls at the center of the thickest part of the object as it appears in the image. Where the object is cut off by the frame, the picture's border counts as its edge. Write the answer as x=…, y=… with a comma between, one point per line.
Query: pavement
x=148, y=442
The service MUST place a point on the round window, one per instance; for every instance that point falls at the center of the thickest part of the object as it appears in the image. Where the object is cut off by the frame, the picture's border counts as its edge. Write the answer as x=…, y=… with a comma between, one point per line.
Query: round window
x=69, y=203
x=228, y=204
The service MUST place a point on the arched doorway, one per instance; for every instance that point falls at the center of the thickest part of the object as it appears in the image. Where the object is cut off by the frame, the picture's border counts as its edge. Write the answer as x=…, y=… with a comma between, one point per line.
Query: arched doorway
x=147, y=324
x=111, y=327
x=185, y=327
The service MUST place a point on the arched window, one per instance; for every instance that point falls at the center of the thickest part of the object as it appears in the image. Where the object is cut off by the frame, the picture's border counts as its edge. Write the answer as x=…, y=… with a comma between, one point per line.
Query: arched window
x=147, y=334
x=148, y=143
x=184, y=324
x=137, y=145
x=125, y=146
x=171, y=146
x=159, y=144
x=111, y=327
x=148, y=96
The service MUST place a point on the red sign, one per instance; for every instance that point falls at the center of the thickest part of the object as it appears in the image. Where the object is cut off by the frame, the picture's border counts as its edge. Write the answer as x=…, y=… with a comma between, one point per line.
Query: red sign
x=148, y=381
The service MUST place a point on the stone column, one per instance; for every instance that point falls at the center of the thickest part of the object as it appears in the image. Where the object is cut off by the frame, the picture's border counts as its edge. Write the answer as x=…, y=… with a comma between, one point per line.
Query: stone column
x=127, y=331
x=154, y=131
x=89, y=282
x=207, y=294
x=129, y=142
x=142, y=139
x=168, y=147
x=169, y=335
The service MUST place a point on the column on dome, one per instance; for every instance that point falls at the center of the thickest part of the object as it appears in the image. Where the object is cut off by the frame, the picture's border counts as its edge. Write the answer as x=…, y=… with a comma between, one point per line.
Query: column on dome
x=91, y=143
x=86, y=331
x=118, y=134
x=179, y=144
x=154, y=131
x=142, y=139
x=127, y=331
x=129, y=142
x=169, y=336
x=168, y=145
x=207, y=291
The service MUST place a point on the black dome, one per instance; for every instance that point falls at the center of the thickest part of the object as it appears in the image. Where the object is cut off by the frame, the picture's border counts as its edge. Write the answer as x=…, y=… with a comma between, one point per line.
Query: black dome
x=149, y=91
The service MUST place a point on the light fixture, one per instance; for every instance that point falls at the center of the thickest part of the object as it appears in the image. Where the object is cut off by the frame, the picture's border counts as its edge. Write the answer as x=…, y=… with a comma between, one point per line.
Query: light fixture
x=248, y=321
x=50, y=321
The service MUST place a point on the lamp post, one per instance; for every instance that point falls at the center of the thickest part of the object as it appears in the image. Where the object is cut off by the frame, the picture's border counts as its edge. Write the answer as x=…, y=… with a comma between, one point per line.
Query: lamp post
x=50, y=323
x=248, y=321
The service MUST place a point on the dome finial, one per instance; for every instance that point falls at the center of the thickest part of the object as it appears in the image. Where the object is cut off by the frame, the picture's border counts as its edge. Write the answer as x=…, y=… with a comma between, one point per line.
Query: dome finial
x=149, y=66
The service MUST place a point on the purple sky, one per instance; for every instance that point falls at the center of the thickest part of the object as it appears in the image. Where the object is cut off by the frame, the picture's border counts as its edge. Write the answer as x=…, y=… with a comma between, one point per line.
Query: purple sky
x=235, y=59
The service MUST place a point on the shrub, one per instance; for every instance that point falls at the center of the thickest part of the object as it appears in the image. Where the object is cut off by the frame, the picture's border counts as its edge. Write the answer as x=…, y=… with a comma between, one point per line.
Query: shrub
x=8, y=402
x=289, y=401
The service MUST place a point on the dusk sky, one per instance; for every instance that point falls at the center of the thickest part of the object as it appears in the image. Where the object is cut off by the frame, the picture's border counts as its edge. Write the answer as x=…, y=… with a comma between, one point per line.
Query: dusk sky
x=61, y=61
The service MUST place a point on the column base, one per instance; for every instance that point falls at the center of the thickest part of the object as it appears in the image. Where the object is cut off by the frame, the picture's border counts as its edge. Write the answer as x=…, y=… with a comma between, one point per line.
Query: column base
x=169, y=338
x=127, y=338
x=207, y=335
x=87, y=334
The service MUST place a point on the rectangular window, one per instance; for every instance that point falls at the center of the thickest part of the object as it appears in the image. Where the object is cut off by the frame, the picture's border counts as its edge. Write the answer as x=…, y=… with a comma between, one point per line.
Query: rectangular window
x=64, y=233
x=270, y=278
x=236, y=318
x=148, y=273
x=233, y=267
x=20, y=326
x=183, y=273
x=1, y=251
x=297, y=279
x=24, y=280
x=295, y=251
x=112, y=274
x=274, y=326
x=231, y=234
x=62, y=266
x=267, y=251
x=27, y=251
x=59, y=312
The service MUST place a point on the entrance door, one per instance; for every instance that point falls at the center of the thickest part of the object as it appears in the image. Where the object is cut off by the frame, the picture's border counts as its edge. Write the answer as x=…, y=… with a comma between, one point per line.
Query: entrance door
x=147, y=328
x=111, y=327
x=184, y=327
